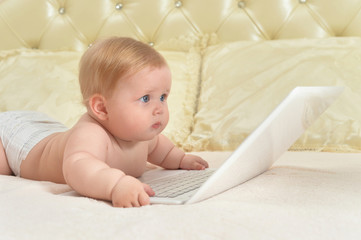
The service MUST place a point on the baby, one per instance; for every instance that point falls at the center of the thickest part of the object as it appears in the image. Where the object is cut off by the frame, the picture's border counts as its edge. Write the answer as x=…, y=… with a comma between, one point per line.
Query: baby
x=125, y=85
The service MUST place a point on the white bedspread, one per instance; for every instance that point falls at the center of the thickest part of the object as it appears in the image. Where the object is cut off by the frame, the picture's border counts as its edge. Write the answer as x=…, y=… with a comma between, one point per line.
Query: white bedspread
x=305, y=195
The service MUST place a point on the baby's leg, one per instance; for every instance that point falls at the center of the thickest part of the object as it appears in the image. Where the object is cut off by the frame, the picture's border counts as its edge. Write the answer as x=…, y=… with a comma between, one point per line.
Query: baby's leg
x=4, y=165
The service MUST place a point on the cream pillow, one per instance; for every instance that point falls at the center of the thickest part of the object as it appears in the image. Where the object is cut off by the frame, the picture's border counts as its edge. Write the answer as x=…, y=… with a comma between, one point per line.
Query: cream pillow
x=242, y=83
x=44, y=81
x=183, y=97
x=47, y=81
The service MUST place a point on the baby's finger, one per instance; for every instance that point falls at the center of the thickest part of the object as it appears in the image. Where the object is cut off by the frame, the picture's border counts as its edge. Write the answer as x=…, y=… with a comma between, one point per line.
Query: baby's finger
x=120, y=203
x=135, y=203
x=143, y=199
x=196, y=166
x=200, y=166
x=126, y=205
x=204, y=163
x=148, y=190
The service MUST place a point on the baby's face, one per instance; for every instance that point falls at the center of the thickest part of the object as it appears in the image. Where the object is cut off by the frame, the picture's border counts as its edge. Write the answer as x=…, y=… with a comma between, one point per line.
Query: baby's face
x=138, y=109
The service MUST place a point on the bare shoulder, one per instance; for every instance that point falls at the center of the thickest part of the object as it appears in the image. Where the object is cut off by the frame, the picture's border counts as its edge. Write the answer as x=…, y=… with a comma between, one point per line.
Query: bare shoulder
x=89, y=136
x=88, y=127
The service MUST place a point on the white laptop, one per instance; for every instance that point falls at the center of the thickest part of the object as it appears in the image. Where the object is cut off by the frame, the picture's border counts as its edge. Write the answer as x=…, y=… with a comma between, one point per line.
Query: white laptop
x=254, y=156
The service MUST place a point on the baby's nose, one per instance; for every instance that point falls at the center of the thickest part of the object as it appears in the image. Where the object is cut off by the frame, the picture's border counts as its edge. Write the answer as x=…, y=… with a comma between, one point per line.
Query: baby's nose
x=158, y=108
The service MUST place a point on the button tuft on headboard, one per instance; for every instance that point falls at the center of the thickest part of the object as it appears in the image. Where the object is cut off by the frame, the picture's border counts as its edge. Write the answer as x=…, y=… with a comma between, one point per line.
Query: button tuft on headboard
x=178, y=4
x=61, y=10
x=241, y=4
x=119, y=6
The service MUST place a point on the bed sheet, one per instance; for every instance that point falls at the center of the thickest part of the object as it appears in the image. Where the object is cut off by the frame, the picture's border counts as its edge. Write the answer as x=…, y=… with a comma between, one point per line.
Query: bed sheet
x=305, y=195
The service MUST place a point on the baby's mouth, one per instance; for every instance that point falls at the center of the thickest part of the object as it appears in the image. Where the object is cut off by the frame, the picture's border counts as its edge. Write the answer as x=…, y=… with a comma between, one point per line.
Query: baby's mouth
x=156, y=125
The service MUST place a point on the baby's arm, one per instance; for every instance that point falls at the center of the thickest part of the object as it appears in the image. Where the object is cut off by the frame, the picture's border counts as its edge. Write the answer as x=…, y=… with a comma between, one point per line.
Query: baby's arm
x=165, y=154
x=85, y=170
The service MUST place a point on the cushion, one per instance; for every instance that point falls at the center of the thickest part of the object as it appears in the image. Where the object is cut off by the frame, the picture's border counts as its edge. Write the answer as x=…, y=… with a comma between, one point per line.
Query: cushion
x=47, y=81
x=183, y=97
x=43, y=81
x=242, y=82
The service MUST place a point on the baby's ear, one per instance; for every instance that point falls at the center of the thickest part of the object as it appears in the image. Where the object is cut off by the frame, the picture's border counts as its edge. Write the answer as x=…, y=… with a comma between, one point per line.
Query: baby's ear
x=97, y=106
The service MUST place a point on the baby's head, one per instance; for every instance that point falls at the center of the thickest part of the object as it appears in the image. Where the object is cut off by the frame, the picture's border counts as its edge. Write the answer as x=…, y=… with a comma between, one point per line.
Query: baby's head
x=108, y=61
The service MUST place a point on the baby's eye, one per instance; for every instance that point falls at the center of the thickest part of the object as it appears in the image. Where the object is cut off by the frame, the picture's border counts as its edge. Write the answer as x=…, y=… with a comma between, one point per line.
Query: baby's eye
x=145, y=98
x=163, y=97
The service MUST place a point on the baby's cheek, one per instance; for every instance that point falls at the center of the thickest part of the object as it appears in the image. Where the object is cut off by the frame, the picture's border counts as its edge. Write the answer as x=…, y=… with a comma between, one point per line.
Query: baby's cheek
x=166, y=116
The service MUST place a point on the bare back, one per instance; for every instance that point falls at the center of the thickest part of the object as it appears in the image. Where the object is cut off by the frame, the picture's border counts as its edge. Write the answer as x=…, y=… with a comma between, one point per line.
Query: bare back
x=45, y=161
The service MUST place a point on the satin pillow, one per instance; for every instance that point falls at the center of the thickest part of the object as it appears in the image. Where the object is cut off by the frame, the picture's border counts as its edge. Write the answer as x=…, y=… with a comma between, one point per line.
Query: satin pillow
x=242, y=82
x=43, y=81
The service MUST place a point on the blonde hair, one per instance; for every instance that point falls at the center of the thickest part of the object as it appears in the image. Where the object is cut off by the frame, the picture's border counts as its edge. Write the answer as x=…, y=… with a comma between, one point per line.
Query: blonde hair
x=107, y=61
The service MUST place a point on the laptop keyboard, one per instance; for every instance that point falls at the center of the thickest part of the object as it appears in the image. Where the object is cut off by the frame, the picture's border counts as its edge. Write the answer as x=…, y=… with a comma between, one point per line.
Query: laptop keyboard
x=176, y=185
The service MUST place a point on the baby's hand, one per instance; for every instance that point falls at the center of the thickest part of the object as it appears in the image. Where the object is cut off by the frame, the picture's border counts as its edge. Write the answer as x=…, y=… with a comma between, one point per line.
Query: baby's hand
x=130, y=192
x=192, y=162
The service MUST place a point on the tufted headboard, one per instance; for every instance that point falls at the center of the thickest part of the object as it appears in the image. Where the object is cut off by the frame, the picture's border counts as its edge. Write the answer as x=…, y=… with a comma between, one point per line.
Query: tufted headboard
x=232, y=61
x=75, y=24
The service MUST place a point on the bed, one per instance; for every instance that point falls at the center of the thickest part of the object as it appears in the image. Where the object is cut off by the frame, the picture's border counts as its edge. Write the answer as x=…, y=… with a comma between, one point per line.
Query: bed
x=232, y=63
